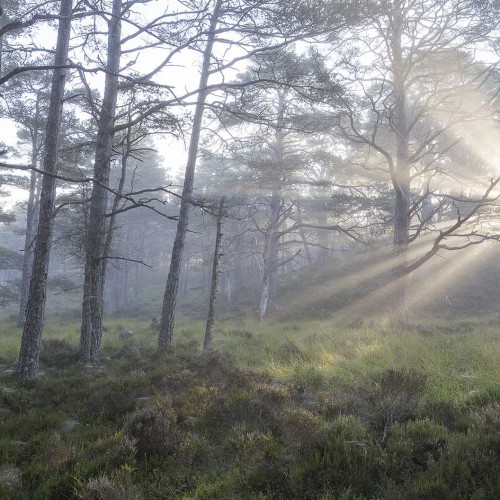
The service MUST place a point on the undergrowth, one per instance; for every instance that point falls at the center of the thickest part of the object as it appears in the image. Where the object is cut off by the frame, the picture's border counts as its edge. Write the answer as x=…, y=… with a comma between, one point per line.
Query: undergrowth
x=287, y=410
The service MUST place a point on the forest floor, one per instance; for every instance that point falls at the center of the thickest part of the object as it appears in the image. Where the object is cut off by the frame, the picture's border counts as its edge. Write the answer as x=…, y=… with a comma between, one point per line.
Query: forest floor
x=284, y=410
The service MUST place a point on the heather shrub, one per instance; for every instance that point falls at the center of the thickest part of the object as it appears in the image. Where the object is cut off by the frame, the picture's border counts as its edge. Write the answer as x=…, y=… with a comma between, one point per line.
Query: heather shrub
x=154, y=428
x=412, y=445
x=57, y=352
x=395, y=398
x=347, y=458
x=106, y=488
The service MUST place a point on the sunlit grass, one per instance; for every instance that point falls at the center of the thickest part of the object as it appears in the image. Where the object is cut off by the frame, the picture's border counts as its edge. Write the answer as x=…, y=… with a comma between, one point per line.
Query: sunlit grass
x=457, y=365
x=294, y=382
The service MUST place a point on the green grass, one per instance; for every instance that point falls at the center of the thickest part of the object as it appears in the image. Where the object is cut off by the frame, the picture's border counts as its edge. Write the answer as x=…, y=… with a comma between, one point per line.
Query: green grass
x=287, y=409
x=458, y=364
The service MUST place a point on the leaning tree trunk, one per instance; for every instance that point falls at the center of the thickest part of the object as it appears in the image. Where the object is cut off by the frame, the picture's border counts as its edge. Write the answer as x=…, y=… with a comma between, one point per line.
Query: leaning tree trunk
x=207, y=343
x=165, y=337
x=30, y=224
x=95, y=241
x=27, y=365
x=401, y=182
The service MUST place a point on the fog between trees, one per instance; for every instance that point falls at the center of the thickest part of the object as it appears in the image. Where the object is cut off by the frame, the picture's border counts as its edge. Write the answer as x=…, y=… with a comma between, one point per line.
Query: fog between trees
x=328, y=128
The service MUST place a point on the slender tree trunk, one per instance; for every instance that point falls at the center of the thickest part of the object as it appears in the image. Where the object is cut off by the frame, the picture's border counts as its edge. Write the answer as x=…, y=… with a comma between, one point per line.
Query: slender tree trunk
x=270, y=257
x=401, y=180
x=126, y=270
x=27, y=365
x=207, y=344
x=268, y=294
x=165, y=337
x=302, y=233
x=118, y=196
x=115, y=287
x=273, y=260
x=229, y=285
x=30, y=223
x=95, y=268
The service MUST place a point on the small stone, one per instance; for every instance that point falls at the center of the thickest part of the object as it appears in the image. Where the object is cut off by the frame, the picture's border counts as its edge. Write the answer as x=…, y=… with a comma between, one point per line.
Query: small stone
x=126, y=334
x=7, y=390
x=191, y=421
x=40, y=374
x=5, y=411
x=144, y=399
x=68, y=426
x=9, y=371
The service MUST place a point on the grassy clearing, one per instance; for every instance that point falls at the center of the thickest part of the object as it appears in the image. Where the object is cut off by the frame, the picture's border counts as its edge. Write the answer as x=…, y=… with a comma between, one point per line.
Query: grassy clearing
x=288, y=409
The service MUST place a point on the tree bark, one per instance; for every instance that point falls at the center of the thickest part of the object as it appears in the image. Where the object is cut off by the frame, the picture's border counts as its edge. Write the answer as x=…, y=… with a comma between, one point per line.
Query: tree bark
x=165, y=337
x=27, y=365
x=30, y=223
x=270, y=255
x=207, y=343
x=400, y=179
x=95, y=242
x=268, y=296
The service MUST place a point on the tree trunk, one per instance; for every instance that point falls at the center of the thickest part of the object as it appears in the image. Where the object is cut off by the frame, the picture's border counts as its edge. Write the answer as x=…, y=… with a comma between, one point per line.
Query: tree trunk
x=165, y=337
x=27, y=365
x=229, y=285
x=30, y=223
x=401, y=181
x=302, y=232
x=207, y=344
x=116, y=286
x=95, y=267
x=268, y=294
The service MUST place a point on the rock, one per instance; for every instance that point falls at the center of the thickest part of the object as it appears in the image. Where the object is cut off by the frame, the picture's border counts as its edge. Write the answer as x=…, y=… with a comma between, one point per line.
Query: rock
x=5, y=411
x=191, y=421
x=144, y=399
x=126, y=334
x=7, y=390
x=9, y=371
x=10, y=476
x=68, y=426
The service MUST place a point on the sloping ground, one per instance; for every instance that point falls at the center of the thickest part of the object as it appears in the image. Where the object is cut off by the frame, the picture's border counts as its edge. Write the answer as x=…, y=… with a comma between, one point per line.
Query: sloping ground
x=355, y=286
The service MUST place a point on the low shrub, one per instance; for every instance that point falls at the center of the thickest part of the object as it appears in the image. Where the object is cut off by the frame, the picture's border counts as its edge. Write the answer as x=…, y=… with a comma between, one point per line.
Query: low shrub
x=395, y=397
x=412, y=445
x=106, y=488
x=347, y=458
x=154, y=428
x=55, y=352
